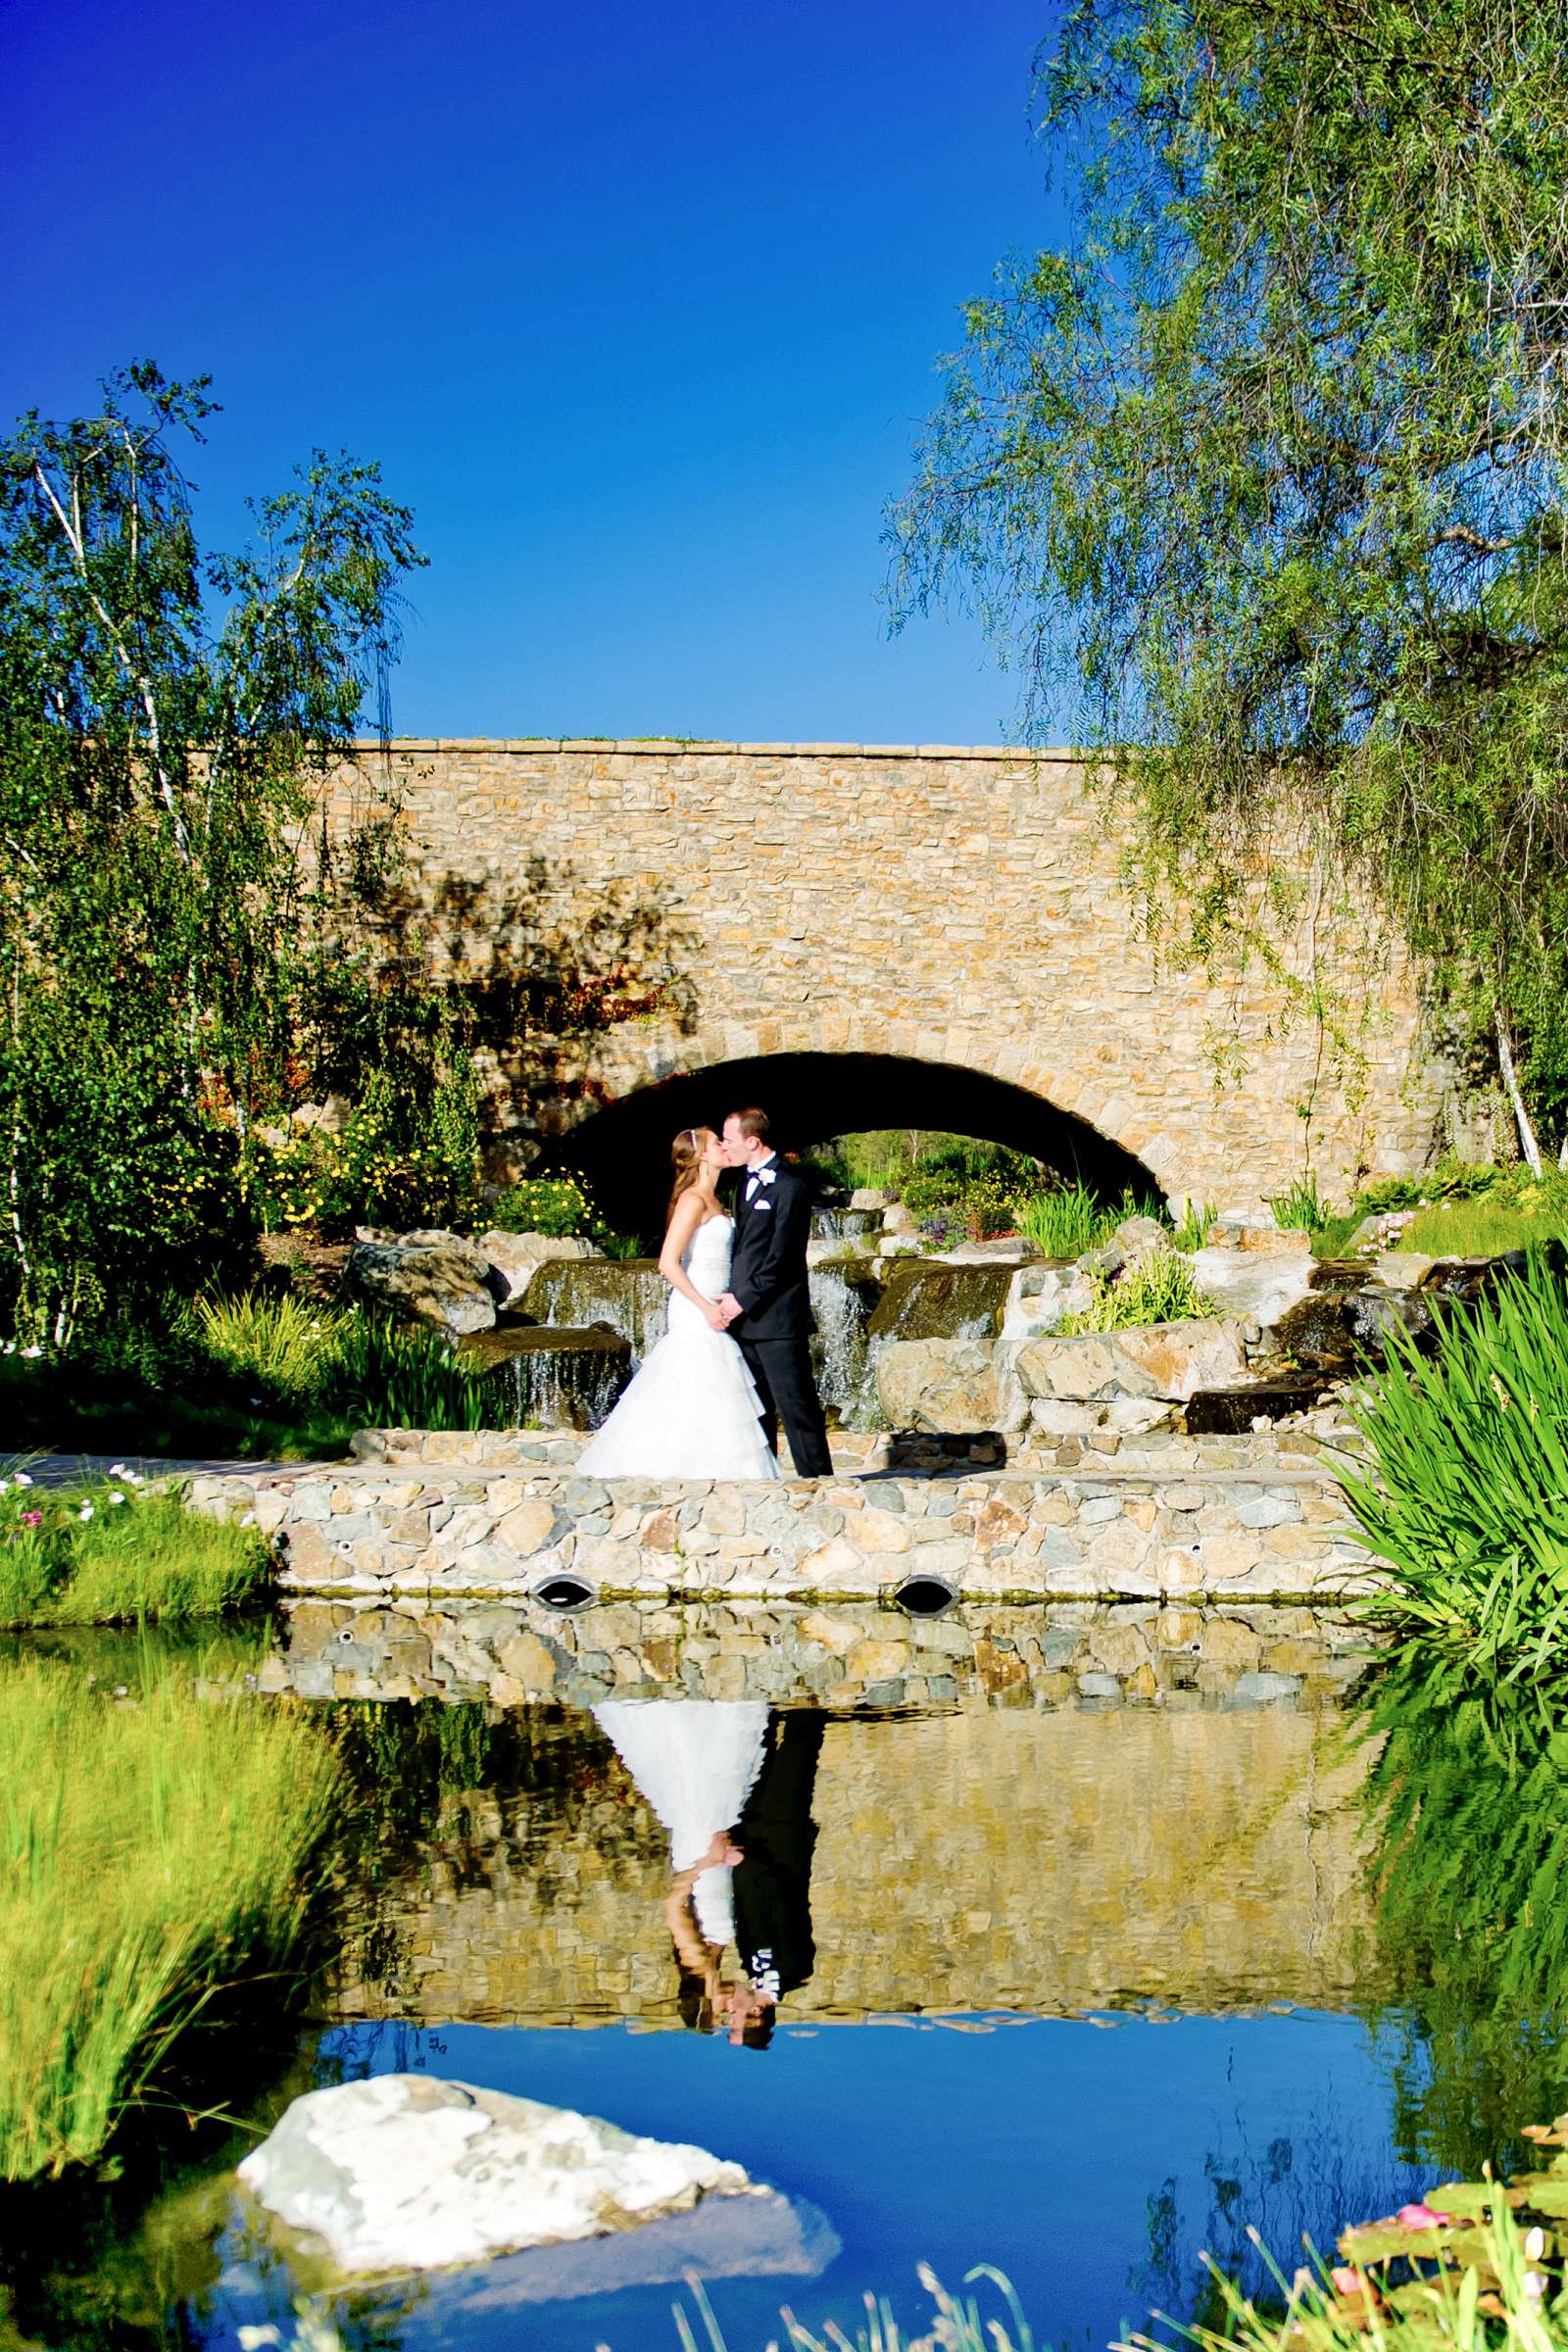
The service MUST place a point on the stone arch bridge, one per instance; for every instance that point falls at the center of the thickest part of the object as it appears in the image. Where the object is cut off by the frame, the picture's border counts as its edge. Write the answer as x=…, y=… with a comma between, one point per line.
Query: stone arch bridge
x=866, y=935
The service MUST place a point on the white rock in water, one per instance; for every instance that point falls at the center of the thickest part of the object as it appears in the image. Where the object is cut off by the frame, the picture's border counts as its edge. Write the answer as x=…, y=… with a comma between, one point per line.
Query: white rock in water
x=403, y=2173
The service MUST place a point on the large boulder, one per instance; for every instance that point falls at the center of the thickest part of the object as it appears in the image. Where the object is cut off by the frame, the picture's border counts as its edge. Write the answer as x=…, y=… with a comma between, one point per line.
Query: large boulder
x=410, y=2172
x=436, y=1278
x=514, y=1258
x=1255, y=1284
x=946, y=1387
x=1167, y=1360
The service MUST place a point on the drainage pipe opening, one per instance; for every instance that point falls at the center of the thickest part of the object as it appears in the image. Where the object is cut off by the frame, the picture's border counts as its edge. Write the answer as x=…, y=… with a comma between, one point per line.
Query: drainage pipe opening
x=925, y=1595
x=564, y=1591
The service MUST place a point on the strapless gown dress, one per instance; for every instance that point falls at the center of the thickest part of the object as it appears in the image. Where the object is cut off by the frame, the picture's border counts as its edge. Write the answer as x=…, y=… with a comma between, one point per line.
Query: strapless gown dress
x=692, y=1409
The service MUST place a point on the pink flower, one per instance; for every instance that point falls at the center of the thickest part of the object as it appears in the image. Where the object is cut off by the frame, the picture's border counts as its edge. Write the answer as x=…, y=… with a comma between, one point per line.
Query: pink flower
x=1421, y=2217
x=33, y=1518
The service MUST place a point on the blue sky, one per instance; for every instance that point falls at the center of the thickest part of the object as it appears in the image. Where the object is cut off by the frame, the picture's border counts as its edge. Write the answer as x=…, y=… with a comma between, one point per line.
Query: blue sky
x=637, y=307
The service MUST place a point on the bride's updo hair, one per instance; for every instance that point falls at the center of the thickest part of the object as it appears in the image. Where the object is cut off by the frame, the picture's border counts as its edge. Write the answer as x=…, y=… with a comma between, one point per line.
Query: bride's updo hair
x=686, y=1159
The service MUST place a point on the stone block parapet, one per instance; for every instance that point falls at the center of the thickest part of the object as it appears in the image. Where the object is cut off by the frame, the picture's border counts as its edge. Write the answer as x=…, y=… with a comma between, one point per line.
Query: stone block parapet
x=382, y=1528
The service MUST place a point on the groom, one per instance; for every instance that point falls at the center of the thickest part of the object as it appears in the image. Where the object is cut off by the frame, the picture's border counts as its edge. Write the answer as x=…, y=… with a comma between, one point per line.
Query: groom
x=767, y=1300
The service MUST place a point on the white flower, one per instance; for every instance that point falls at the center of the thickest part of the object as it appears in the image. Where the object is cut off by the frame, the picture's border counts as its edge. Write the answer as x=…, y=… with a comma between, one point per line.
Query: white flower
x=34, y=1349
x=116, y=1495
x=10, y=1348
x=1534, y=2244
x=117, y=1469
x=85, y=1511
x=20, y=1478
x=5, y=1486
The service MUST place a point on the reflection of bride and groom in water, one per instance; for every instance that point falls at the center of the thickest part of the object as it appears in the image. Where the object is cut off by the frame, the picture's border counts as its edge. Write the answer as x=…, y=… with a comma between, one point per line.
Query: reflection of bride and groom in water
x=732, y=1783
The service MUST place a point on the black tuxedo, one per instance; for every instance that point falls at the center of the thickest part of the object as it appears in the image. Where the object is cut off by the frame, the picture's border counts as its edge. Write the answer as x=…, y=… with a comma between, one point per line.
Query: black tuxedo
x=769, y=1277
x=776, y=1836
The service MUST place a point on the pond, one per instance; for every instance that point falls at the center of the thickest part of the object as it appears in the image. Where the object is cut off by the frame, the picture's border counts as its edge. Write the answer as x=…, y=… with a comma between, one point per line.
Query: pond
x=1072, y=1985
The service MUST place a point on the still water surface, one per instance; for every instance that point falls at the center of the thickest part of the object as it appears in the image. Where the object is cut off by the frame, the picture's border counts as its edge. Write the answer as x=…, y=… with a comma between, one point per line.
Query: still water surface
x=1075, y=1990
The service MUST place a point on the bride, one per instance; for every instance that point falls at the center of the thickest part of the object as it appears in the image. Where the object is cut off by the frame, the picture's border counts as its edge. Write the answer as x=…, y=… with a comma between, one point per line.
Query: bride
x=693, y=1409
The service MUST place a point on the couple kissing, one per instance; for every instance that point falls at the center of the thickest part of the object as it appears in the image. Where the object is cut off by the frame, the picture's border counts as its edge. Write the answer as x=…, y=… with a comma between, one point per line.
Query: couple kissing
x=734, y=1363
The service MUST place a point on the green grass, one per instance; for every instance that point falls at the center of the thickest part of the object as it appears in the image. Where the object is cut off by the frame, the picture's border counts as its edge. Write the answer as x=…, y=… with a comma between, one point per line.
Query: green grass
x=256, y=1377
x=105, y=1554
x=1463, y=1488
x=151, y=1852
x=1155, y=1290
x=1455, y=1209
x=1487, y=1227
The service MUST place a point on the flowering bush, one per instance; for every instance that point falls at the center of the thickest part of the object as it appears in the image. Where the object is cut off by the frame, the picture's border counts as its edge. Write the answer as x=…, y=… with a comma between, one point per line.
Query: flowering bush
x=399, y=1160
x=553, y=1204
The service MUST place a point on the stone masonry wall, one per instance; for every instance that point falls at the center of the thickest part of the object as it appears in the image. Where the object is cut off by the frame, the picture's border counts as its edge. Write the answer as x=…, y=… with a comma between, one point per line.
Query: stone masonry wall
x=697, y=903
x=372, y=1529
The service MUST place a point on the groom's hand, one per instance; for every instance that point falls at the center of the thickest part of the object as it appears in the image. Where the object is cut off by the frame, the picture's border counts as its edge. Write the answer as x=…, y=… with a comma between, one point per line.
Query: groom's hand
x=730, y=1304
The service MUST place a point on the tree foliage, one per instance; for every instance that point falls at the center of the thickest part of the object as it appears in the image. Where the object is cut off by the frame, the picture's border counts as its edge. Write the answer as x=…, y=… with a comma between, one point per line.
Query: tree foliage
x=177, y=944
x=1271, y=457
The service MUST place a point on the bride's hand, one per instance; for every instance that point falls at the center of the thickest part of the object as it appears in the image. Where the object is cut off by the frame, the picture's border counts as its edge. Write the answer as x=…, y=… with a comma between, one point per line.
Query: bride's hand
x=718, y=1318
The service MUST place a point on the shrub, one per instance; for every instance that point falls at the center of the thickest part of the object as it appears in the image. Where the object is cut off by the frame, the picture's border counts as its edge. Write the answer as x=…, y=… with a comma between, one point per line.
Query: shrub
x=552, y=1205
x=1463, y=1490
x=106, y=1552
x=1155, y=1290
x=406, y=1157
x=151, y=1854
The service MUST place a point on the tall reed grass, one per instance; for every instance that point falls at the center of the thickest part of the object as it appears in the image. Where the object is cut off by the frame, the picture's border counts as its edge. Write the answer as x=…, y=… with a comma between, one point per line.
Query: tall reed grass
x=359, y=1365
x=106, y=1554
x=152, y=1853
x=1067, y=1222
x=1463, y=1488
x=287, y=1343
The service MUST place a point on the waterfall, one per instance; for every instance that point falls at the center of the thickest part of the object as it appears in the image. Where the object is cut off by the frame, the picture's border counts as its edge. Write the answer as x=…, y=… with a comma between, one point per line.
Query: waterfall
x=842, y=1297
x=845, y=1230
x=629, y=1295
x=565, y=1388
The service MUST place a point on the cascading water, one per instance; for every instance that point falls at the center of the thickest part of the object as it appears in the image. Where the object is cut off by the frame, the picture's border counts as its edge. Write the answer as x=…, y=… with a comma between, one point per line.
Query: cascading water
x=554, y=1379
x=844, y=1295
x=626, y=1295
x=925, y=1302
x=845, y=1230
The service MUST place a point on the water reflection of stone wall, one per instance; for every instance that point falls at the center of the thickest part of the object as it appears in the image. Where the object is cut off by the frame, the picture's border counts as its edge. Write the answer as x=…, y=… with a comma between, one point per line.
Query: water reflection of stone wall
x=1004, y=1859
x=1071, y=1654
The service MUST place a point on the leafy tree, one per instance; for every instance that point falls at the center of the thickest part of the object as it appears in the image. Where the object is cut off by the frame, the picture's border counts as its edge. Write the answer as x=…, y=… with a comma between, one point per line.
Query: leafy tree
x=1270, y=456
x=178, y=942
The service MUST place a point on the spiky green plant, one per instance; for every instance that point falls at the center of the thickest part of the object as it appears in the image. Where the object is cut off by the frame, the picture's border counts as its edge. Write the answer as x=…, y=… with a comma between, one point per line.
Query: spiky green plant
x=1462, y=1488
x=1194, y=1225
x=1159, y=1289
x=1066, y=1222
x=402, y=1376
x=285, y=1343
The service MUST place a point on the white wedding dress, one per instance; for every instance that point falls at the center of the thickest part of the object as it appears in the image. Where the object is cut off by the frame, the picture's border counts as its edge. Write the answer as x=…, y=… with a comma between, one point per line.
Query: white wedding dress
x=694, y=1760
x=692, y=1409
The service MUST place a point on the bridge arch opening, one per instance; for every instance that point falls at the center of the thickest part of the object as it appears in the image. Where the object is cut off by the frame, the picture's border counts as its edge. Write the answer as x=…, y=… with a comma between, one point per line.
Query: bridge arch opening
x=622, y=1151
